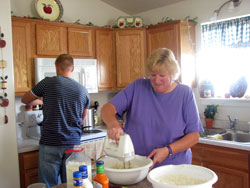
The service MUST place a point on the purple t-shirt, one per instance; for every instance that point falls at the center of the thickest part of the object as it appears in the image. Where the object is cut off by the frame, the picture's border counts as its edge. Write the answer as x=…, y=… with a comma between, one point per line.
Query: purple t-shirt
x=155, y=120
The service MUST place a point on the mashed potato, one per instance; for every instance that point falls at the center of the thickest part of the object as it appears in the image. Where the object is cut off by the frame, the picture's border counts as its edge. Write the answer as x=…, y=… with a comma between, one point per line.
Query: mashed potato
x=128, y=165
x=180, y=180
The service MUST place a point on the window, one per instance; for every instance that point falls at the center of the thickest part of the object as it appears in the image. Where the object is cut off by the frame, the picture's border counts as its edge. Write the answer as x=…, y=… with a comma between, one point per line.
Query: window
x=224, y=61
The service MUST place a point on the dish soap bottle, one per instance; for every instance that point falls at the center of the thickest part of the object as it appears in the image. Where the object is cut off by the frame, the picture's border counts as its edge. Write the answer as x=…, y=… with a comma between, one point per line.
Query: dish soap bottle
x=100, y=180
x=85, y=181
x=76, y=159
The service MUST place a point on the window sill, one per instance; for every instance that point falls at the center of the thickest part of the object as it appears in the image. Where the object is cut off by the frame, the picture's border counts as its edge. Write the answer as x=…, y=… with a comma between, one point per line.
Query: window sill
x=236, y=102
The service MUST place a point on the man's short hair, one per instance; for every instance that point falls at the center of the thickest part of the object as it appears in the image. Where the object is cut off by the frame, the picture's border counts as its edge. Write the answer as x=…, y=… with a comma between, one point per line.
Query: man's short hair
x=65, y=62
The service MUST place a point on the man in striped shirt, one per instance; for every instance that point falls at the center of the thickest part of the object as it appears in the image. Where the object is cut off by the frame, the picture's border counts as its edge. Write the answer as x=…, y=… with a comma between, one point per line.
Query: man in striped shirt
x=65, y=105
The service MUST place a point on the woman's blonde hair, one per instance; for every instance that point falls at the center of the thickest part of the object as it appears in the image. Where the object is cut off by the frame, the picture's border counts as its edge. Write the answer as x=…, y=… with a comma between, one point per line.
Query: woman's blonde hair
x=163, y=58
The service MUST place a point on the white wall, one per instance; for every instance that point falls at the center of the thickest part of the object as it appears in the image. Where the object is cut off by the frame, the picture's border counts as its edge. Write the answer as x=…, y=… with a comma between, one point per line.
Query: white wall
x=203, y=9
x=94, y=11
x=9, y=173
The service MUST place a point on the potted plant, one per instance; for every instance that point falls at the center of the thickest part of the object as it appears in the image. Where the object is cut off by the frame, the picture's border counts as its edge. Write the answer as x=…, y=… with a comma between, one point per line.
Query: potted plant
x=209, y=113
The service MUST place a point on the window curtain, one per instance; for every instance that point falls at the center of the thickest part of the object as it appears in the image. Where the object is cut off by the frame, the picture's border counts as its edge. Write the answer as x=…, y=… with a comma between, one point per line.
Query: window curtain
x=234, y=33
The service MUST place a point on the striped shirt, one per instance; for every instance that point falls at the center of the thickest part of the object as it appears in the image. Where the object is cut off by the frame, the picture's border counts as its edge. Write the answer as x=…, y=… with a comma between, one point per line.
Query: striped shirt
x=64, y=101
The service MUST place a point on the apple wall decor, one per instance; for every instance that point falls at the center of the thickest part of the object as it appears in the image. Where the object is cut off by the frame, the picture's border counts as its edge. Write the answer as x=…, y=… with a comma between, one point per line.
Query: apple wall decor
x=129, y=21
x=51, y=10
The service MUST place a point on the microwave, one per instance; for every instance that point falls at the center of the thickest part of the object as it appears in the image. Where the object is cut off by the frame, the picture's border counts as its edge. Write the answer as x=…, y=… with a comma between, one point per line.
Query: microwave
x=85, y=71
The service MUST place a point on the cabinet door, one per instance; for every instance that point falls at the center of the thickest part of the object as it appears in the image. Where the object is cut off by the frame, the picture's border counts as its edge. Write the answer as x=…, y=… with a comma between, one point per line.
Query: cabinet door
x=229, y=178
x=163, y=37
x=106, y=59
x=130, y=56
x=81, y=42
x=31, y=176
x=28, y=167
x=51, y=39
x=21, y=37
x=179, y=37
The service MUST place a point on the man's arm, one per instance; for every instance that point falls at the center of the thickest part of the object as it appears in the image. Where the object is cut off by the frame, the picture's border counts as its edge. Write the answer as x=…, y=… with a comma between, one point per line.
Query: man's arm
x=31, y=99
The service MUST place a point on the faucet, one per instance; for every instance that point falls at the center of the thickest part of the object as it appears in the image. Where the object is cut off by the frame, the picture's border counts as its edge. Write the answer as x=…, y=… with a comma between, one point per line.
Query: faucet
x=232, y=122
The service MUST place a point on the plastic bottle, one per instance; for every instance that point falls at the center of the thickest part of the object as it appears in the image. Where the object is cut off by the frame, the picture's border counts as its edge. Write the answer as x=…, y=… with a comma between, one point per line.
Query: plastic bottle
x=85, y=181
x=77, y=177
x=100, y=180
x=76, y=159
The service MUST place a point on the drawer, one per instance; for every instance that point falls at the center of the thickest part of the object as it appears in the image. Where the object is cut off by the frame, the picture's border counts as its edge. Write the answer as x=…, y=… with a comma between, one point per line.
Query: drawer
x=29, y=160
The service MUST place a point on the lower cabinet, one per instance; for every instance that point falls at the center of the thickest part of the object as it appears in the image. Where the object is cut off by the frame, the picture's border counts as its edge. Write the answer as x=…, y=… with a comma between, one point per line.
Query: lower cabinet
x=28, y=166
x=230, y=165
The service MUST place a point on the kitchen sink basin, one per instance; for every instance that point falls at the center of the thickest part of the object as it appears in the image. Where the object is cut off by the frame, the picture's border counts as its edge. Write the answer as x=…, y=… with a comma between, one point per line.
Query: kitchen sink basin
x=226, y=134
x=236, y=136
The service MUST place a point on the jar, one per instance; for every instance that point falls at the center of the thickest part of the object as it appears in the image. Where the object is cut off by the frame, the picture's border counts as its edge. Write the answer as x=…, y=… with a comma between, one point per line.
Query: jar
x=76, y=159
x=85, y=181
x=77, y=179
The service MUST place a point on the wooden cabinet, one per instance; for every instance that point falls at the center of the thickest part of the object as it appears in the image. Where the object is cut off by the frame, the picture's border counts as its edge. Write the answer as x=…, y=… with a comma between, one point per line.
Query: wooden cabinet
x=81, y=42
x=105, y=54
x=51, y=39
x=230, y=165
x=21, y=37
x=179, y=36
x=130, y=55
x=28, y=167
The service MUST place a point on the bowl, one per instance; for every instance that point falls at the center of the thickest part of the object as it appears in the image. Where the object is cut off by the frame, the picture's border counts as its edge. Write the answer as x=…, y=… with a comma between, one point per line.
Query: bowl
x=127, y=176
x=159, y=177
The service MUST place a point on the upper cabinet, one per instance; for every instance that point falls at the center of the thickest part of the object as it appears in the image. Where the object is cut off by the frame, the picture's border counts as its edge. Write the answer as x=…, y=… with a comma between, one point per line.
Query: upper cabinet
x=51, y=39
x=120, y=53
x=21, y=37
x=81, y=42
x=130, y=55
x=105, y=54
x=179, y=36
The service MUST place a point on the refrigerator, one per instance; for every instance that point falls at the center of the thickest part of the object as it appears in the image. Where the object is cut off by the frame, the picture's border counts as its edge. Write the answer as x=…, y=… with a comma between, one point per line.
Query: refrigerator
x=9, y=166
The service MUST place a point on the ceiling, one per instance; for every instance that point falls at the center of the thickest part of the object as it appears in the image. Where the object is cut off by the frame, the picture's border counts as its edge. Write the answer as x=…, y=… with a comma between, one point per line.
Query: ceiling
x=133, y=7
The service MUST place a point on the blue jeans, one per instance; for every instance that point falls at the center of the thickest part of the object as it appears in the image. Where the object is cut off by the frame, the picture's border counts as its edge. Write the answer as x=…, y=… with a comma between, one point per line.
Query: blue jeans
x=51, y=167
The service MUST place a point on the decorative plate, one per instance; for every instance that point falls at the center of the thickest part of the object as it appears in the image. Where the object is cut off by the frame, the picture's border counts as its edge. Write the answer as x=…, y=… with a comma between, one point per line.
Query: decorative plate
x=51, y=10
x=129, y=21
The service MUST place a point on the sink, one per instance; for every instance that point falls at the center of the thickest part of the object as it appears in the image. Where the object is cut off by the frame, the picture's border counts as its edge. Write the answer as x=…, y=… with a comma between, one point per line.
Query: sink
x=236, y=136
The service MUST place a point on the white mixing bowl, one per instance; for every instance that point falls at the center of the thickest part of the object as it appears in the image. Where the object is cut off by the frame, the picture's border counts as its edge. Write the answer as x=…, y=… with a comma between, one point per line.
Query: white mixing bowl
x=127, y=176
x=185, y=170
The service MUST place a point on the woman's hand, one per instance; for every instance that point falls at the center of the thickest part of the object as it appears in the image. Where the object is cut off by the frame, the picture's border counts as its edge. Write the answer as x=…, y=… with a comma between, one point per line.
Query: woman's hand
x=115, y=132
x=158, y=155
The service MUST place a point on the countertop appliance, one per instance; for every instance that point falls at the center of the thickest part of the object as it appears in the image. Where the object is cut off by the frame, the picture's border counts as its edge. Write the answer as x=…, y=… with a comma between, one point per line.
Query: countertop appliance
x=85, y=71
x=91, y=118
x=30, y=124
x=124, y=150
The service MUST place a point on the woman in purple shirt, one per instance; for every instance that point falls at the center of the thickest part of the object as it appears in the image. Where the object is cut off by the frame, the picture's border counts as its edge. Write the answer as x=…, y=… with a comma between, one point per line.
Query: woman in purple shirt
x=162, y=118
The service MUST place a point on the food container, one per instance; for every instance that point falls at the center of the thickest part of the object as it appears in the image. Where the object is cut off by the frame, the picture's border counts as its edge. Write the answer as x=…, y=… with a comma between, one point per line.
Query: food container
x=127, y=176
x=194, y=172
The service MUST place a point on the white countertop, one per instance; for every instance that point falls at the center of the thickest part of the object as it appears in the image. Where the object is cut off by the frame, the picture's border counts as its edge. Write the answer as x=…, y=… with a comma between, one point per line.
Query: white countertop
x=27, y=144
x=225, y=143
x=30, y=144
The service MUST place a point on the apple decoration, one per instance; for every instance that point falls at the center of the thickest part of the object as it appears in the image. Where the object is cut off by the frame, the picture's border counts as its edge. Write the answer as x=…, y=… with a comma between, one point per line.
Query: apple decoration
x=47, y=8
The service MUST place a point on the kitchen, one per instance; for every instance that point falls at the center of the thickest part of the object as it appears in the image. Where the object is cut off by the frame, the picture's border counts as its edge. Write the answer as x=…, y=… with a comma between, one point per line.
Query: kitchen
x=101, y=14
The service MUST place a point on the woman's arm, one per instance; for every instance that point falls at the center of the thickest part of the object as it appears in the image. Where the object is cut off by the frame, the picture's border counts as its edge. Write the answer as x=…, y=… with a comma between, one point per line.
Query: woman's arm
x=182, y=144
x=108, y=113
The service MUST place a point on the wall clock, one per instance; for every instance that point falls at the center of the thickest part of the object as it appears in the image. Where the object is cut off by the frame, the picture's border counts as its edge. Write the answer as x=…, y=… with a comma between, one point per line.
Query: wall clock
x=51, y=10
